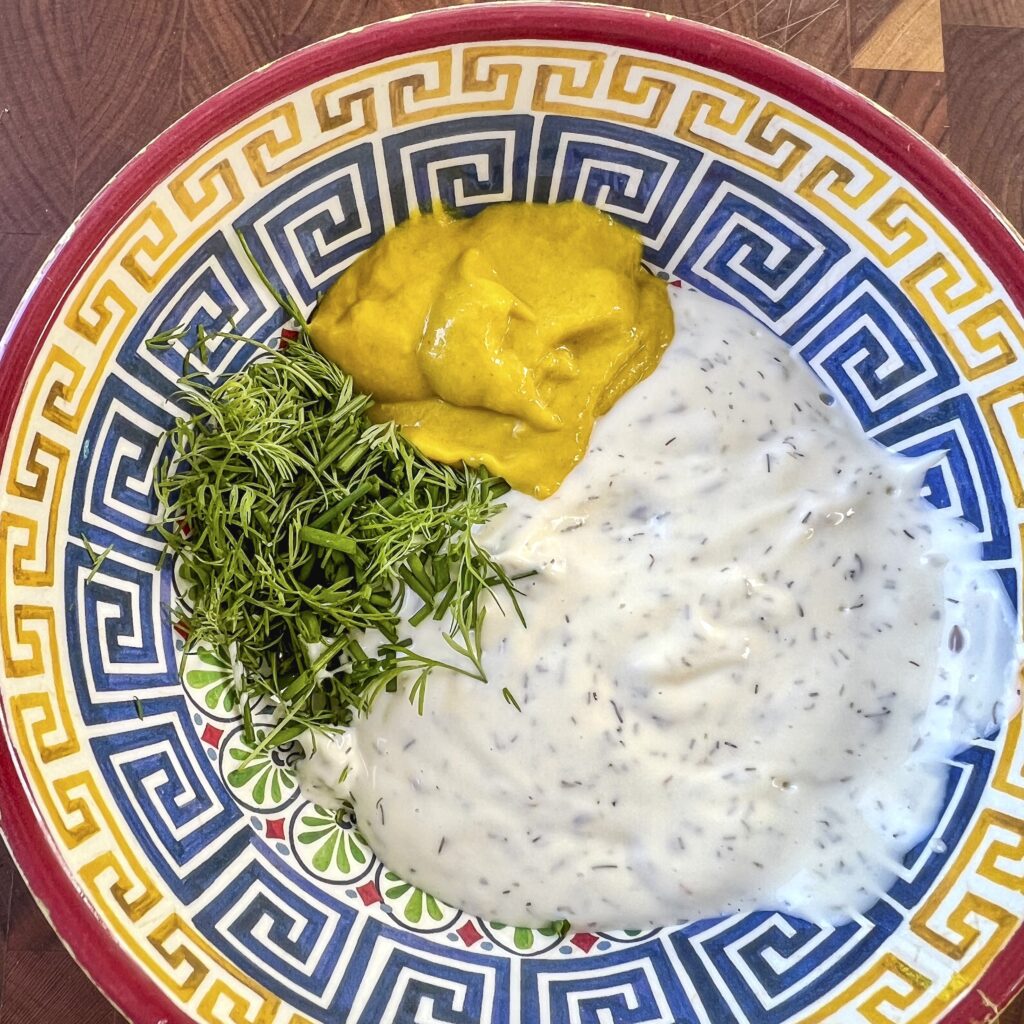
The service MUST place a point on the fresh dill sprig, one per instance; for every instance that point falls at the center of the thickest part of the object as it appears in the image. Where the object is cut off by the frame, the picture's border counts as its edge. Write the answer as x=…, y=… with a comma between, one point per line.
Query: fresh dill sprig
x=299, y=526
x=96, y=557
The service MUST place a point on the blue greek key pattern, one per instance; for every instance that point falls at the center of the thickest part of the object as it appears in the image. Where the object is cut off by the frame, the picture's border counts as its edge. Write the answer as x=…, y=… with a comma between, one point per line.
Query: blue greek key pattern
x=636, y=987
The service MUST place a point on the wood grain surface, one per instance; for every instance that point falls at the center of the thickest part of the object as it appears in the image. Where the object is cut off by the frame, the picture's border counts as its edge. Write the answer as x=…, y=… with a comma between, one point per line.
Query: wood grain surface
x=84, y=84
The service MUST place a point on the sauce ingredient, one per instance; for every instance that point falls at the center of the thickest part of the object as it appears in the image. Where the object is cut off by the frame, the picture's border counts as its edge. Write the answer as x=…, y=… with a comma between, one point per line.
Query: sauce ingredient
x=298, y=525
x=751, y=647
x=498, y=340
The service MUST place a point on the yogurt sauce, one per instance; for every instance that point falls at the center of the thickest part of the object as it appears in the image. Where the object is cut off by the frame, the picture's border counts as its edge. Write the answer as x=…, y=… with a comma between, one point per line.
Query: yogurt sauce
x=750, y=646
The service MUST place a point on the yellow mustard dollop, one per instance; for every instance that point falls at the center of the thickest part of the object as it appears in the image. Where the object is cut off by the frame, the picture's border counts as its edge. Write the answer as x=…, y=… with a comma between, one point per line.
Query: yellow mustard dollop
x=498, y=340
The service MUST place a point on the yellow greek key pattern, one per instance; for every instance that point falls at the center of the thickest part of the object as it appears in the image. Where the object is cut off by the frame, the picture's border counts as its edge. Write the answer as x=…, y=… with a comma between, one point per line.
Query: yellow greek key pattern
x=887, y=985
x=1009, y=773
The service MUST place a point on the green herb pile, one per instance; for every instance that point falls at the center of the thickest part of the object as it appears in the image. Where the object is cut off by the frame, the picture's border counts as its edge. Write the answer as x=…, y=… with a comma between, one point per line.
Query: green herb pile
x=299, y=525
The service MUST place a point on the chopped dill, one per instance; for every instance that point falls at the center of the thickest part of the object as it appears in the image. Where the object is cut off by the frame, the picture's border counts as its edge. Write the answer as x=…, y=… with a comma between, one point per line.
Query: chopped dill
x=510, y=698
x=97, y=558
x=299, y=526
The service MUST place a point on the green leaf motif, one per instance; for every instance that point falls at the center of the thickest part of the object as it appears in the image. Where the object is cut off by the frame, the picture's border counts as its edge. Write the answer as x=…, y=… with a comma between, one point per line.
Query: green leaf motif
x=416, y=902
x=330, y=844
x=323, y=857
x=211, y=676
x=265, y=777
x=241, y=777
x=524, y=939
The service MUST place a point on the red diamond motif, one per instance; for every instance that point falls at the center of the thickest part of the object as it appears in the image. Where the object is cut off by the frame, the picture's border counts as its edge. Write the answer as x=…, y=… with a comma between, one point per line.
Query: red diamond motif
x=181, y=629
x=275, y=828
x=369, y=894
x=212, y=735
x=584, y=941
x=468, y=933
x=675, y=284
x=288, y=335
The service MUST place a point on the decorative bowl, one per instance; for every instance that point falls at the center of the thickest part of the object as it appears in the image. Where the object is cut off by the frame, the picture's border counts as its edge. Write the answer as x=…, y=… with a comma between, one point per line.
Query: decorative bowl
x=193, y=890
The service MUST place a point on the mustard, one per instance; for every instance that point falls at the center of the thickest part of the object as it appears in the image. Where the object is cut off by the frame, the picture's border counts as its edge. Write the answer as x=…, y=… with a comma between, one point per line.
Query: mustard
x=498, y=340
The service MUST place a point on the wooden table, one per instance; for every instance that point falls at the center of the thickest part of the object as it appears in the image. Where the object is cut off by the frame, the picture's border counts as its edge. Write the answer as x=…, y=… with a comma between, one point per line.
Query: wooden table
x=84, y=84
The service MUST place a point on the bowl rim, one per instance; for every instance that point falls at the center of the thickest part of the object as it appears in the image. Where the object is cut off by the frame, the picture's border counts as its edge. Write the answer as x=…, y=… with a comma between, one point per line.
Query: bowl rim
x=119, y=978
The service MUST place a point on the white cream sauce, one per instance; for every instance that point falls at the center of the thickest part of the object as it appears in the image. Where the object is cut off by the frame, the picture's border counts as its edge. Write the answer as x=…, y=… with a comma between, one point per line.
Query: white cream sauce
x=750, y=647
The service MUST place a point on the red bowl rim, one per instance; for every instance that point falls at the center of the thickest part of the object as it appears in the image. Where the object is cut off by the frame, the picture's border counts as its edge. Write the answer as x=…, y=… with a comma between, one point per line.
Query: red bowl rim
x=119, y=977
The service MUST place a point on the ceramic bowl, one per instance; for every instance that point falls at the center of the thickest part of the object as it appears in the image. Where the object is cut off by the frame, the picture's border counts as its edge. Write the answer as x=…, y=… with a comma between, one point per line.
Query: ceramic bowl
x=193, y=887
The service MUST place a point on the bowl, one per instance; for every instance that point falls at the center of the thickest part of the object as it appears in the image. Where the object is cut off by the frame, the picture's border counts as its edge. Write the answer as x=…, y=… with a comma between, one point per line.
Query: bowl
x=192, y=890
